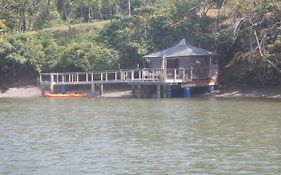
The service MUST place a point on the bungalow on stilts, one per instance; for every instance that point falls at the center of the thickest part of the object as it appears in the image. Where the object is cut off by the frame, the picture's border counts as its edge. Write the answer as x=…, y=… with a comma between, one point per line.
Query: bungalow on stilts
x=171, y=72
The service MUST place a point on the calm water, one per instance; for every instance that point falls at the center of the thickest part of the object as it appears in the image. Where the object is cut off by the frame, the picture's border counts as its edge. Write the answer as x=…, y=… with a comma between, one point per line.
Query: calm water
x=132, y=136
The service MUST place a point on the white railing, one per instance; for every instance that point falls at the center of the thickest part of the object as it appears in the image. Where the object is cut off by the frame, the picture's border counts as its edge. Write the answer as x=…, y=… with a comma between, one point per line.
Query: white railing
x=117, y=76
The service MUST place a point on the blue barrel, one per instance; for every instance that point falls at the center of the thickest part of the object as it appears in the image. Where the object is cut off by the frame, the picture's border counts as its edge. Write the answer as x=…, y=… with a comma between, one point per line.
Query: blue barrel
x=62, y=89
x=186, y=92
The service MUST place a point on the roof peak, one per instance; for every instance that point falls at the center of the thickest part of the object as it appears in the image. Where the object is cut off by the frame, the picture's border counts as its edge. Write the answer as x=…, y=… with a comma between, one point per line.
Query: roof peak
x=183, y=42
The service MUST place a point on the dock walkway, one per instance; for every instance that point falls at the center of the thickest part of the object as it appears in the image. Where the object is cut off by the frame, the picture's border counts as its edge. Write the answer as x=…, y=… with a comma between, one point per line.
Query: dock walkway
x=137, y=77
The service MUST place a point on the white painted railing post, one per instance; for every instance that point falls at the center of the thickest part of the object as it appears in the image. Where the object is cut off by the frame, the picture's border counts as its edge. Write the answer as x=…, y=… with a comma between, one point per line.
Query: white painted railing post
x=40, y=78
x=183, y=75
x=115, y=75
x=132, y=74
x=165, y=75
x=52, y=77
x=140, y=74
x=153, y=74
x=101, y=76
x=77, y=76
x=175, y=74
x=106, y=76
x=121, y=75
x=62, y=78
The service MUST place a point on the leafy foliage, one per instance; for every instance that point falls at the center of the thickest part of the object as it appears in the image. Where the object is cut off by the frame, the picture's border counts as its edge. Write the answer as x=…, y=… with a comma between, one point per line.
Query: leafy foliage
x=245, y=34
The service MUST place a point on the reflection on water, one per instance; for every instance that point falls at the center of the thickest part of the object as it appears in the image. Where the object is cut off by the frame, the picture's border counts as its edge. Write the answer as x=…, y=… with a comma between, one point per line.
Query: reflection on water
x=132, y=136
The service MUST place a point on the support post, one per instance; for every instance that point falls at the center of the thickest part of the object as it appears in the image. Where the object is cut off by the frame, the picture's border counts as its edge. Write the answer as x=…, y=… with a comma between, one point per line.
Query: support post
x=101, y=89
x=93, y=88
x=158, y=91
x=164, y=90
x=52, y=88
x=138, y=91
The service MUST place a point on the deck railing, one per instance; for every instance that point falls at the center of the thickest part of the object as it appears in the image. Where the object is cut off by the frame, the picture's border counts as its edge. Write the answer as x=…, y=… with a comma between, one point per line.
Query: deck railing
x=117, y=76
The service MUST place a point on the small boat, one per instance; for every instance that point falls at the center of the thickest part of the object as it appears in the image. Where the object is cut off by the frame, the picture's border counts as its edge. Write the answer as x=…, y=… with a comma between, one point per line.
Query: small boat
x=47, y=94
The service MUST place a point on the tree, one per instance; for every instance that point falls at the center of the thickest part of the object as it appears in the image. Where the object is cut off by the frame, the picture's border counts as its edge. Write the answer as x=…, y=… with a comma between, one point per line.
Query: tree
x=257, y=31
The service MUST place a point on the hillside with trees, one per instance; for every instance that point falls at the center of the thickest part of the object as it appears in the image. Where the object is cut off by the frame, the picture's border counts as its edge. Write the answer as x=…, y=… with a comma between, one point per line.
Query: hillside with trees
x=81, y=35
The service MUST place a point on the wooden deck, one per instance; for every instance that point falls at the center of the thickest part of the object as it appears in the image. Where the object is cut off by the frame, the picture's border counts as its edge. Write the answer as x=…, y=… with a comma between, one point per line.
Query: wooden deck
x=139, y=77
x=155, y=76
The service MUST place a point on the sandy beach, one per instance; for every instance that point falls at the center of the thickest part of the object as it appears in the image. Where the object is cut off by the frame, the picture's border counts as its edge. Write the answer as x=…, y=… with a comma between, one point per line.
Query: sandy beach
x=21, y=92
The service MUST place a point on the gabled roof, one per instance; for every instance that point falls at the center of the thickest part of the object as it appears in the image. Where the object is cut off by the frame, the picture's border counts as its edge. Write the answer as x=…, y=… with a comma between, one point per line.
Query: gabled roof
x=183, y=48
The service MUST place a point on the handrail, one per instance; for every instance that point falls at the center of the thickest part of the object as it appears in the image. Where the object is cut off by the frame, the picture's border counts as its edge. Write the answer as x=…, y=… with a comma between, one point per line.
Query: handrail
x=121, y=75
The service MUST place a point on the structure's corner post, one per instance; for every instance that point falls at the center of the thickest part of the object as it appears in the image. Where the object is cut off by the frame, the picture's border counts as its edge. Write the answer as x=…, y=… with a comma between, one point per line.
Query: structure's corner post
x=158, y=91
x=101, y=89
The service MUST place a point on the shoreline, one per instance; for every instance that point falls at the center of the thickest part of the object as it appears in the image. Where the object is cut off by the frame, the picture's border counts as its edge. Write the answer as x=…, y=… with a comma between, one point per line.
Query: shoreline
x=30, y=91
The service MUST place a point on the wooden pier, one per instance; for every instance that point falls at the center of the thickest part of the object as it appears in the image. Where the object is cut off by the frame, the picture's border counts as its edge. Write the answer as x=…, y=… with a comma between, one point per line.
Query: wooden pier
x=137, y=78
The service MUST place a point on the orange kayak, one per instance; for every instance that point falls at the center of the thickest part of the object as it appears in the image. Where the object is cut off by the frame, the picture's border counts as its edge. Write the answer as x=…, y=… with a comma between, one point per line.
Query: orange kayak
x=47, y=94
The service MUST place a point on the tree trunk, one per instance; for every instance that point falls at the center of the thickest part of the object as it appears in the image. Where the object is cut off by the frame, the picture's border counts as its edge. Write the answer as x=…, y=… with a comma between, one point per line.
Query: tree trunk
x=129, y=7
x=22, y=22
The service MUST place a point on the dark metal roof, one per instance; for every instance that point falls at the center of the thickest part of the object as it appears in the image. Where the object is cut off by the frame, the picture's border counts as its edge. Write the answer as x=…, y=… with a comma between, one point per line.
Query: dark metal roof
x=183, y=48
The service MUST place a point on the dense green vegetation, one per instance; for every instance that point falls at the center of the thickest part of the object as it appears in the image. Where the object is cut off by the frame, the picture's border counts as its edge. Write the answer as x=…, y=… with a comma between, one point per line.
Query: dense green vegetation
x=79, y=35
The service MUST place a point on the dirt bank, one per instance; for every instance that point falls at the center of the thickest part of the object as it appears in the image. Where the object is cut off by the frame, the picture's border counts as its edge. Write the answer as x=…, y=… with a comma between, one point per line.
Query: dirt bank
x=20, y=91
x=238, y=91
x=234, y=91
